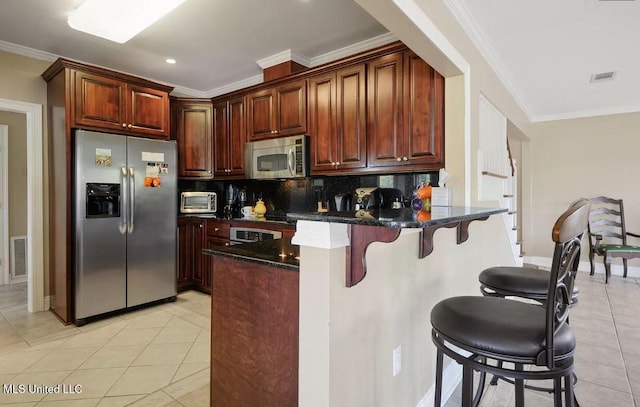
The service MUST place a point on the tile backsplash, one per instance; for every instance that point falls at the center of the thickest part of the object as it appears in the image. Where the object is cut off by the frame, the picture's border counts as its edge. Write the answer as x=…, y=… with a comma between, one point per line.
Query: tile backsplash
x=302, y=195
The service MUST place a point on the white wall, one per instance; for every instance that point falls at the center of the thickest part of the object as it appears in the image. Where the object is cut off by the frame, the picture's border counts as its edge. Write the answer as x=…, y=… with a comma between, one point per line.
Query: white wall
x=578, y=158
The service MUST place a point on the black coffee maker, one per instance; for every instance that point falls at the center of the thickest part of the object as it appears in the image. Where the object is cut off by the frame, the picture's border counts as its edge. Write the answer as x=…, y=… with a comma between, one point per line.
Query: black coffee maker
x=367, y=198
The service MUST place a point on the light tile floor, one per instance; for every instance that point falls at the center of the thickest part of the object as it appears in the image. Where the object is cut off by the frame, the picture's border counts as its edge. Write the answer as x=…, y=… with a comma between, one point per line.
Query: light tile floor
x=156, y=356
x=606, y=323
x=159, y=356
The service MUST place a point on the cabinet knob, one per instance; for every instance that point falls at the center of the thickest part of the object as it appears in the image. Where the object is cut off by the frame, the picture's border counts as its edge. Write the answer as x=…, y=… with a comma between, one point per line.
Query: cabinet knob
x=337, y=163
x=398, y=159
x=130, y=126
x=216, y=229
x=124, y=124
x=226, y=244
x=333, y=164
x=405, y=159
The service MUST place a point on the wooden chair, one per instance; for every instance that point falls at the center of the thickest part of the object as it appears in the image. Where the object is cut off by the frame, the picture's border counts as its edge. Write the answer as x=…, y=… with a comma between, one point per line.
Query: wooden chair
x=608, y=234
x=500, y=336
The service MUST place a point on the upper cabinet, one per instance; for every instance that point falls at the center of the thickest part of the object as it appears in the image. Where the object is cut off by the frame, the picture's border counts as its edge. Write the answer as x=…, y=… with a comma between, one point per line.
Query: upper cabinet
x=114, y=102
x=337, y=120
x=278, y=111
x=229, y=135
x=192, y=119
x=405, y=113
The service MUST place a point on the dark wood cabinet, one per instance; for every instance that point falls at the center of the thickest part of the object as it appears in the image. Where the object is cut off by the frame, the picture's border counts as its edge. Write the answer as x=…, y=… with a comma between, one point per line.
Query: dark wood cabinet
x=405, y=113
x=191, y=261
x=278, y=111
x=337, y=120
x=384, y=105
x=192, y=120
x=423, y=112
x=108, y=103
x=229, y=135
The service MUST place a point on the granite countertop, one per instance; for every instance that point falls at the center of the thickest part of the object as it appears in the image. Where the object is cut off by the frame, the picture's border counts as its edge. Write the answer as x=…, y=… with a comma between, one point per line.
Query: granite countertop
x=399, y=218
x=278, y=253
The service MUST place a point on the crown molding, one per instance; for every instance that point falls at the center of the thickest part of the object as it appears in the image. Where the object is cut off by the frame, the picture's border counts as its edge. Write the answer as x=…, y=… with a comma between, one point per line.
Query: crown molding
x=245, y=83
x=352, y=49
x=586, y=113
x=27, y=52
x=284, y=56
x=462, y=14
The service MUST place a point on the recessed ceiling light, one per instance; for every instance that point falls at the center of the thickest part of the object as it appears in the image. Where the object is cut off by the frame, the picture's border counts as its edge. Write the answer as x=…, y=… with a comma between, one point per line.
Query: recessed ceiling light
x=119, y=20
x=170, y=61
x=603, y=76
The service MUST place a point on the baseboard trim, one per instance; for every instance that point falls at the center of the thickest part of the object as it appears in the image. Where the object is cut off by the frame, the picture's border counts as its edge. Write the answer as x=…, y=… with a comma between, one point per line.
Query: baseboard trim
x=47, y=303
x=616, y=269
x=451, y=378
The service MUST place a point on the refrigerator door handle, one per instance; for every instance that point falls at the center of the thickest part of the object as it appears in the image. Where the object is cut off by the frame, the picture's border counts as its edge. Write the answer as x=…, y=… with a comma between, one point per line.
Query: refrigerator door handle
x=123, y=178
x=132, y=199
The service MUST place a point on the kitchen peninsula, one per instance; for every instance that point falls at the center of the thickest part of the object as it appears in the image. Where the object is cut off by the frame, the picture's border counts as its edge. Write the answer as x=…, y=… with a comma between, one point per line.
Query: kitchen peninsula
x=268, y=313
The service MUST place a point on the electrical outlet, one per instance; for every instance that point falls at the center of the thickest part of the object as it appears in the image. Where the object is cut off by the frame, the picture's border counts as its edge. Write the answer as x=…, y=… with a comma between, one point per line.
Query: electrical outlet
x=397, y=360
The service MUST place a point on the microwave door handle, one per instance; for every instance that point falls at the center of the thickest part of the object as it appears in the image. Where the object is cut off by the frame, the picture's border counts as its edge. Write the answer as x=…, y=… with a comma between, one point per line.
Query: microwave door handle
x=291, y=160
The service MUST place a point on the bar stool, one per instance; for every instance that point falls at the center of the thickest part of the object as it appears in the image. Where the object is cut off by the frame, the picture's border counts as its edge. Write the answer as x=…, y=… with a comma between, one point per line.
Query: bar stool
x=490, y=334
x=522, y=282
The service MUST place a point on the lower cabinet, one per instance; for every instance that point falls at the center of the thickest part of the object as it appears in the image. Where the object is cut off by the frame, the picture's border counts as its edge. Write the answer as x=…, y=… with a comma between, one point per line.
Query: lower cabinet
x=195, y=234
x=191, y=261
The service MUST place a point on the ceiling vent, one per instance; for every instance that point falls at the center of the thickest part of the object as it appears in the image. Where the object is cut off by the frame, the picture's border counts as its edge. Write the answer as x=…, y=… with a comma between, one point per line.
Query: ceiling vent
x=603, y=76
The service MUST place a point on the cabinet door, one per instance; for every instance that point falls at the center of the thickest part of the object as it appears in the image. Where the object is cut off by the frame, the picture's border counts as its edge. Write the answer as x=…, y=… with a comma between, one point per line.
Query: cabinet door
x=261, y=114
x=148, y=112
x=237, y=135
x=423, y=112
x=229, y=136
x=194, y=136
x=291, y=110
x=184, y=255
x=322, y=123
x=351, y=118
x=99, y=101
x=384, y=136
x=197, y=236
x=221, y=138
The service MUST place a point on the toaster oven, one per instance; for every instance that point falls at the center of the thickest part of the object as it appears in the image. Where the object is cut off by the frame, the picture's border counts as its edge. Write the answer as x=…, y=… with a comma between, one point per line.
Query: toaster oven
x=198, y=202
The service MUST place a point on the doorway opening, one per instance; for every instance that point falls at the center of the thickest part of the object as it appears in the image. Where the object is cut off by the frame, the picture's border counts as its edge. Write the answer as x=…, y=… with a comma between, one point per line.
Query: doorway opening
x=35, y=201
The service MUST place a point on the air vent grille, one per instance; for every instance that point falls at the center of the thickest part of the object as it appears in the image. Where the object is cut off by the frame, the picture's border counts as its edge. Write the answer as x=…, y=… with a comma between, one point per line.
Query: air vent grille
x=603, y=76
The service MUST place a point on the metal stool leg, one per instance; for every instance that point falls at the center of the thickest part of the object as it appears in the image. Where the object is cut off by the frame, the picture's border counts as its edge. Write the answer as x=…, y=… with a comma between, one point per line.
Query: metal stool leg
x=467, y=386
x=439, y=366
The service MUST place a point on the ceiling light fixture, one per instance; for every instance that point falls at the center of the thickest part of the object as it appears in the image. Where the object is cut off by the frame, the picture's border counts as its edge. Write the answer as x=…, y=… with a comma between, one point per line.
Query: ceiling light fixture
x=119, y=20
x=170, y=61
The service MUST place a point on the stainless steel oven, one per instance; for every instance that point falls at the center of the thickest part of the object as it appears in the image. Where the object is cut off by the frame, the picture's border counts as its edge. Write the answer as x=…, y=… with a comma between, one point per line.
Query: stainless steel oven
x=240, y=235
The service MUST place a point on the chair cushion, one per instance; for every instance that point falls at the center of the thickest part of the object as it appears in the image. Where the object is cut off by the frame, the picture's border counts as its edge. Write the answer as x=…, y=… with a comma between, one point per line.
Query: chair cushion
x=518, y=281
x=499, y=326
x=617, y=248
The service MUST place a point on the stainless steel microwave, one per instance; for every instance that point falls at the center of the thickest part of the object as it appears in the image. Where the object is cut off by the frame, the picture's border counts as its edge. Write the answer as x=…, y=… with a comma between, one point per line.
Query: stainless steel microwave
x=285, y=157
x=198, y=202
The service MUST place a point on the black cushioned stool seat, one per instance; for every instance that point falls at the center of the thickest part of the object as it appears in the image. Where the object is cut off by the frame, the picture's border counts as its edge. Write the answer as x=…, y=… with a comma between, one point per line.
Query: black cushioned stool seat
x=514, y=328
x=505, y=281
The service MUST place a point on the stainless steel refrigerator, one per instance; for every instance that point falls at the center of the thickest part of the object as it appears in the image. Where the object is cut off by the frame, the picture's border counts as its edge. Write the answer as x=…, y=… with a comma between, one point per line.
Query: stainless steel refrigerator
x=125, y=222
